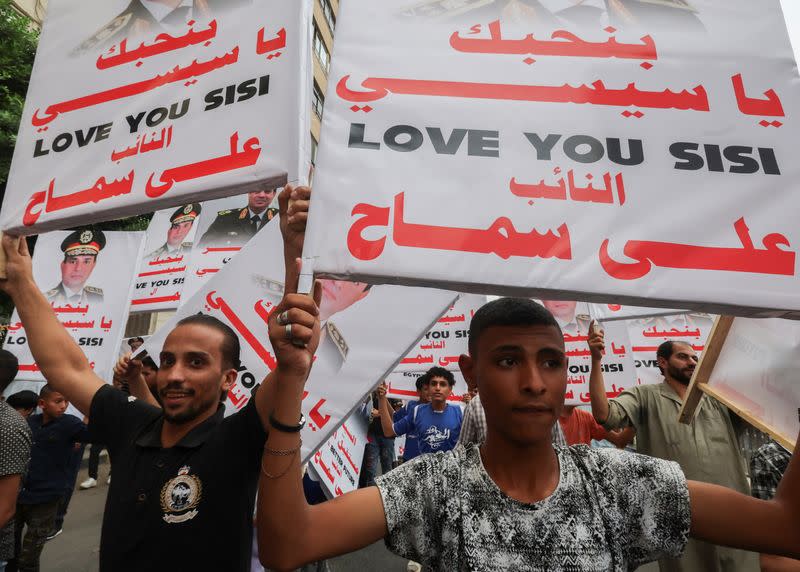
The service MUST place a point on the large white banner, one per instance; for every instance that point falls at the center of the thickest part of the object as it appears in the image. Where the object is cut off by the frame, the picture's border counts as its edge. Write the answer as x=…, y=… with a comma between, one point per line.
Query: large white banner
x=87, y=277
x=223, y=230
x=635, y=151
x=167, y=252
x=647, y=334
x=136, y=106
x=447, y=340
x=356, y=349
x=612, y=312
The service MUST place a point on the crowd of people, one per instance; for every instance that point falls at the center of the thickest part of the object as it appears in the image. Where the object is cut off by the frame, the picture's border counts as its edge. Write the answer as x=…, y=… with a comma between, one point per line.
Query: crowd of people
x=506, y=481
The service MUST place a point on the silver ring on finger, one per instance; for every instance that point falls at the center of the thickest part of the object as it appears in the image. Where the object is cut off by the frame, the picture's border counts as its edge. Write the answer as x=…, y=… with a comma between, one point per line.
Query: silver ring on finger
x=288, y=331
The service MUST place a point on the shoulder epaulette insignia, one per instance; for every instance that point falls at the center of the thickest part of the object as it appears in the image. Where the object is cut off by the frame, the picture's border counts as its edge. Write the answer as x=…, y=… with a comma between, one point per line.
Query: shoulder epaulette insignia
x=337, y=338
x=105, y=32
x=52, y=292
x=186, y=245
x=93, y=290
x=223, y=213
x=243, y=214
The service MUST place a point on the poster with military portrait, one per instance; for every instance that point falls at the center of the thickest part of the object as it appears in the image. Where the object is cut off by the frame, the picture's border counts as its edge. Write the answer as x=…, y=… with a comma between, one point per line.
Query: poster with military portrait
x=87, y=276
x=225, y=227
x=365, y=331
x=142, y=105
x=167, y=253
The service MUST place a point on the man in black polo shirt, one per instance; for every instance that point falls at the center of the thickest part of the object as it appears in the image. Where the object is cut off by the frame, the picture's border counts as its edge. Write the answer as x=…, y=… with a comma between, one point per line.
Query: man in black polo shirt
x=184, y=482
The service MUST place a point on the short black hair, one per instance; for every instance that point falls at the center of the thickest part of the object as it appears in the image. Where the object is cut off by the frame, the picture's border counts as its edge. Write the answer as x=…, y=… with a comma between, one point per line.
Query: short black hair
x=508, y=312
x=148, y=362
x=437, y=371
x=25, y=399
x=9, y=367
x=46, y=390
x=422, y=380
x=230, y=349
x=665, y=350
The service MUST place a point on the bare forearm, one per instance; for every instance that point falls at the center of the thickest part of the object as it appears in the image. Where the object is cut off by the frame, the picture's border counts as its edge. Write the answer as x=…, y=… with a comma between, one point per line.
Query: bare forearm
x=386, y=417
x=788, y=493
x=770, y=563
x=282, y=515
x=597, y=391
x=139, y=389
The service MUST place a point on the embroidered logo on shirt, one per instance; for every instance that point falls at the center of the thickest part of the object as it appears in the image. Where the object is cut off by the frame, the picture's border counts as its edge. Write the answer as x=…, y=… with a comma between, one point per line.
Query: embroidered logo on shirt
x=180, y=497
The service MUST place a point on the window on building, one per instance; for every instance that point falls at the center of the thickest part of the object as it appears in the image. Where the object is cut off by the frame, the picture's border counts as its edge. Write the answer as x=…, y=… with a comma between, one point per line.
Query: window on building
x=327, y=10
x=323, y=55
x=319, y=101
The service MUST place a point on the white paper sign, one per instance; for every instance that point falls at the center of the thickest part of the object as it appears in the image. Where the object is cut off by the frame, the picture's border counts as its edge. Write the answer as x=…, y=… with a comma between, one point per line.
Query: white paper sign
x=521, y=152
x=355, y=352
x=338, y=461
x=90, y=294
x=447, y=340
x=168, y=249
x=757, y=371
x=134, y=108
x=224, y=230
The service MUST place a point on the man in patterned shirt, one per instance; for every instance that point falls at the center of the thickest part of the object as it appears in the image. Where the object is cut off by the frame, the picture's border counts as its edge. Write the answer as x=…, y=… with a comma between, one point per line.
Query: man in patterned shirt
x=15, y=452
x=516, y=502
x=766, y=471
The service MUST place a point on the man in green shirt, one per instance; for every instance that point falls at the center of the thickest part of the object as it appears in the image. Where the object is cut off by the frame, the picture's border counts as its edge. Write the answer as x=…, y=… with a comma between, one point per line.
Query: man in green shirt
x=707, y=450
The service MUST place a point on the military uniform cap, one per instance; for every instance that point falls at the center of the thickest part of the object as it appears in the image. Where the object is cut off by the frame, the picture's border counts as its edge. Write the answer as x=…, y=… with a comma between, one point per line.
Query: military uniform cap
x=84, y=241
x=186, y=213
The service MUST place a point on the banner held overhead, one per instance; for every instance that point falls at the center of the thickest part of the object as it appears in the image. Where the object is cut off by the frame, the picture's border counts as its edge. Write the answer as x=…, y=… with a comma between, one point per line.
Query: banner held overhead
x=643, y=156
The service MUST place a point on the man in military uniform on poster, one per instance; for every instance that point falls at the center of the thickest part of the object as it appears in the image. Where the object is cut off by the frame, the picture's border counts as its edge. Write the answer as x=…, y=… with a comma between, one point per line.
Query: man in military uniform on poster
x=677, y=15
x=80, y=250
x=237, y=226
x=181, y=222
x=151, y=17
x=565, y=313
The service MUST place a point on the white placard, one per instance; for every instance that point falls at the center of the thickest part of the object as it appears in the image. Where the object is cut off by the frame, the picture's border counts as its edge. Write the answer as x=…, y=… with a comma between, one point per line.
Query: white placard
x=133, y=108
x=522, y=152
x=90, y=298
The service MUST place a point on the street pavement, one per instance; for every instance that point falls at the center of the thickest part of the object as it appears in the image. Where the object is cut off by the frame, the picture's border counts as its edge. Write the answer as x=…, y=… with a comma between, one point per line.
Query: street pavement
x=76, y=549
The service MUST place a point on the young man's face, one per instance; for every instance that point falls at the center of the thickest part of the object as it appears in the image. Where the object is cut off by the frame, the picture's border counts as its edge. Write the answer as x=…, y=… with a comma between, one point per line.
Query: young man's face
x=53, y=405
x=260, y=200
x=439, y=390
x=521, y=374
x=192, y=375
x=681, y=364
x=75, y=270
x=338, y=295
x=177, y=232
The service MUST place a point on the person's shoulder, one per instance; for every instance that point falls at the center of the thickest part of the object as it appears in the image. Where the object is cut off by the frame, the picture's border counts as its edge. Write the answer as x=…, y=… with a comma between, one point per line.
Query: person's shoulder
x=12, y=421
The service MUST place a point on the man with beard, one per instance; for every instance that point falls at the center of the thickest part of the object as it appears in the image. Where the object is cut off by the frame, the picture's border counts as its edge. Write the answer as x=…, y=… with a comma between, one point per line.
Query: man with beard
x=707, y=450
x=185, y=477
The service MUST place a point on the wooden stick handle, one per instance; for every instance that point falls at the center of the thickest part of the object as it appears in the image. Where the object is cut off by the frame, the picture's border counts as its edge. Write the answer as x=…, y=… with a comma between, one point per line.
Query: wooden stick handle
x=3, y=274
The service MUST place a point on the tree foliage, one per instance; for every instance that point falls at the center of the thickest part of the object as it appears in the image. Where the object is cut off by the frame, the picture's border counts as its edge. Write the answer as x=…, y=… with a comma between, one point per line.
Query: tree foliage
x=18, y=38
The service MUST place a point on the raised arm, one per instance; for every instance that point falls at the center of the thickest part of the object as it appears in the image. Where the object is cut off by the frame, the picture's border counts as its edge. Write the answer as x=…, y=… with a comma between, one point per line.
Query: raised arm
x=387, y=419
x=290, y=532
x=726, y=517
x=57, y=355
x=597, y=386
x=129, y=371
